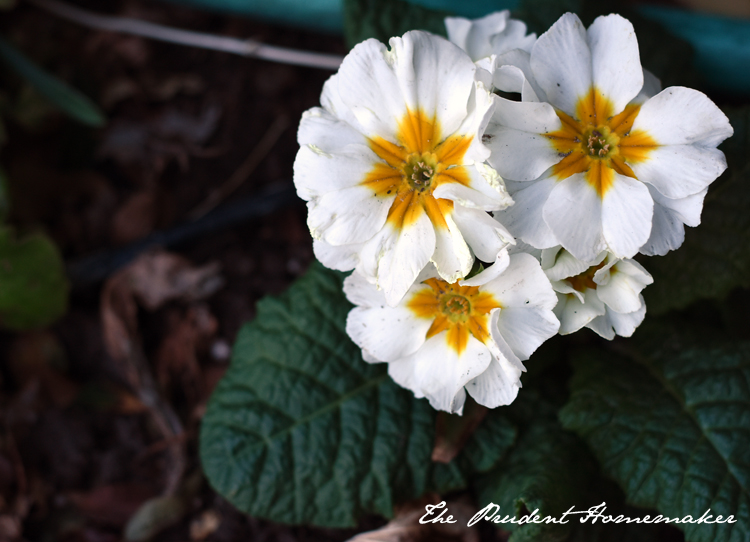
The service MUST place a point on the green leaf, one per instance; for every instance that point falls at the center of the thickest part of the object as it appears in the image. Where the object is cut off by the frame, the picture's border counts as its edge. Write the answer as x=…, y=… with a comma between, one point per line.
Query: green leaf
x=302, y=430
x=68, y=100
x=715, y=257
x=671, y=428
x=33, y=286
x=548, y=470
x=383, y=19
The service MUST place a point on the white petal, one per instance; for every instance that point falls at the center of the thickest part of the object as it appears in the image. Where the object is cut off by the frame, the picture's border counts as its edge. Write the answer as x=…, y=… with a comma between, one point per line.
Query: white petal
x=348, y=216
x=440, y=373
x=341, y=258
x=485, y=236
x=403, y=372
x=512, y=37
x=566, y=265
x=514, y=136
x=486, y=190
x=622, y=291
x=360, y=291
x=678, y=171
x=497, y=385
x=523, y=284
x=474, y=36
x=574, y=212
x=387, y=333
x=512, y=79
x=369, y=358
x=602, y=326
x=613, y=322
x=564, y=287
x=329, y=134
x=683, y=116
x=526, y=328
x=574, y=314
x=489, y=273
x=561, y=61
x=651, y=87
x=452, y=256
x=317, y=173
x=529, y=89
x=667, y=230
x=404, y=253
x=365, y=92
x=627, y=210
x=434, y=75
x=524, y=218
x=480, y=109
x=616, y=63
x=521, y=246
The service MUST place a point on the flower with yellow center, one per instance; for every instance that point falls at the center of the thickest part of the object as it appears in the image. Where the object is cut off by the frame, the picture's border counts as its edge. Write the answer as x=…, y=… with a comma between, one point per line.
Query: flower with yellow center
x=596, y=157
x=603, y=295
x=392, y=165
x=444, y=339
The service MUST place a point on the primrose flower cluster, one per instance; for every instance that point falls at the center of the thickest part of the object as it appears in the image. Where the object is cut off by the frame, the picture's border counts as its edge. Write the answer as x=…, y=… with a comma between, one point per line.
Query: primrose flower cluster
x=478, y=225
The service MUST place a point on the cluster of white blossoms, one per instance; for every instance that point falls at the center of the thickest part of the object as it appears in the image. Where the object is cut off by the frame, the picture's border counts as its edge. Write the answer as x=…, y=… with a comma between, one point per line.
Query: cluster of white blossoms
x=416, y=171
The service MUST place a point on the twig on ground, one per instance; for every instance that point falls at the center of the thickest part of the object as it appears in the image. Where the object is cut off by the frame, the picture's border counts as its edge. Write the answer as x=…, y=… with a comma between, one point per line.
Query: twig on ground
x=243, y=47
x=257, y=155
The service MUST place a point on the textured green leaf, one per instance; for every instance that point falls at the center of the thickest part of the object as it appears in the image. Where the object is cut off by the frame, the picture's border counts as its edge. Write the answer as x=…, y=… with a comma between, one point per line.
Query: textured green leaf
x=70, y=101
x=33, y=286
x=302, y=430
x=715, y=257
x=672, y=428
x=550, y=470
x=383, y=19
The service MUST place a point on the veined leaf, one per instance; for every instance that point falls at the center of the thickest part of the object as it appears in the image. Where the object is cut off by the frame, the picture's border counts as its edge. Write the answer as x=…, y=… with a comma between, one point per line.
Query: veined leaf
x=68, y=100
x=302, y=430
x=33, y=286
x=672, y=428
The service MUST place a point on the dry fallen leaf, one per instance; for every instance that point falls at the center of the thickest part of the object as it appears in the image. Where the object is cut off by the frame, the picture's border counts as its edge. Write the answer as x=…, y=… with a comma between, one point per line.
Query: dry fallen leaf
x=188, y=335
x=405, y=526
x=112, y=504
x=135, y=218
x=151, y=281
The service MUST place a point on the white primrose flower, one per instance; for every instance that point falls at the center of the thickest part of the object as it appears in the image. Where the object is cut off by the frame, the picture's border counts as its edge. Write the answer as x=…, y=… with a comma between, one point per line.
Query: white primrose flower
x=444, y=339
x=493, y=34
x=500, y=47
x=603, y=295
x=392, y=166
x=602, y=166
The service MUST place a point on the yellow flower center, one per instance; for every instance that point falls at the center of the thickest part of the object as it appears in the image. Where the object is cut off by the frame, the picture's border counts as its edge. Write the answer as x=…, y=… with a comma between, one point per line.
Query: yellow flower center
x=599, y=143
x=586, y=279
x=419, y=170
x=413, y=167
x=459, y=310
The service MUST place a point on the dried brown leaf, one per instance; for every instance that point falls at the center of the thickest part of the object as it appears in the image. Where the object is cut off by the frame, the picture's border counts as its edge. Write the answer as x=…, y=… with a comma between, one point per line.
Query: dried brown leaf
x=112, y=504
x=405, y=526
x=135, y=218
